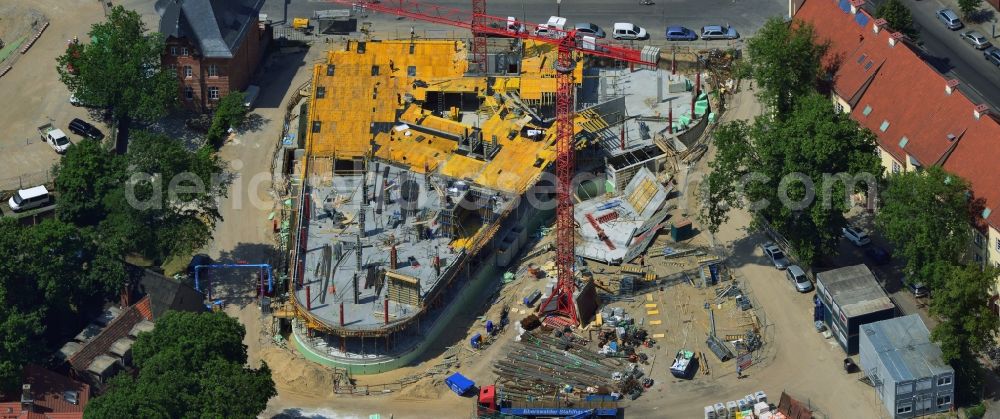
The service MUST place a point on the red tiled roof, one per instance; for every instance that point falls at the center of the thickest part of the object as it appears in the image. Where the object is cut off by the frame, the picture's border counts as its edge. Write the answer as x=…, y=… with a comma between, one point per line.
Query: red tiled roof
x=909, y=95
x=47, y=389
x=144, y=308
x=119, y=328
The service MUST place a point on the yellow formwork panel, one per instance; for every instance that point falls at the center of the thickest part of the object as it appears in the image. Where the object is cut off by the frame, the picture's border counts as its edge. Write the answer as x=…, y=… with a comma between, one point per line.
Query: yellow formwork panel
x=360, y=88
x=414, y=115
x=462, y=167
x=421, y=151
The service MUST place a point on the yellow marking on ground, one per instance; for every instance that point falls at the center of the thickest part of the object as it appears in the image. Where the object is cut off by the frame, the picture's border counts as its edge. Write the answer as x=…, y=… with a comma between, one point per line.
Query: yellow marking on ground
x=652, y=312
x=659, y=335
x=651, y=305
x=649, y=297
x=655, y=322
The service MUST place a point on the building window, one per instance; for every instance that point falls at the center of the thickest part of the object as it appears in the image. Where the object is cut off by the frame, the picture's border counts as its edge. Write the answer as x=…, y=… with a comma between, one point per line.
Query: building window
x=188, y=93
x=895, y=167
x=979, y=240
x=838, y=107
x=188, y=72
x=998, y=244
x=213, y=93
x=943, y=381
x=213, y=70
x=943, y=400
x=906, y=388
x=904, y=409
x=979, y=259
x=184, y=51
x=173, y=51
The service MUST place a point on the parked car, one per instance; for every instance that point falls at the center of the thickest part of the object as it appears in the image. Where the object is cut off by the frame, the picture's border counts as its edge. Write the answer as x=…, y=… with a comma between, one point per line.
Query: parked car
x=82, y=128
x=858, y=237
x=992, y=54
x=950, y=19
x=584, y=28
x=680, y=33
x=919, y=290
x=629, y=31
x=878, y=254
x=553, y=28
x=718, y=32
x=799, y=279
x=54, y=137
x=976, y=39
x=776, y=255
x=25, y=199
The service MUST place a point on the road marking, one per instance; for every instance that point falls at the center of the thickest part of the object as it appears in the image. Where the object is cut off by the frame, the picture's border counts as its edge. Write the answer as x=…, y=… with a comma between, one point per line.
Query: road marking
x=653, y=305
x=655, y=322
x=652, y=312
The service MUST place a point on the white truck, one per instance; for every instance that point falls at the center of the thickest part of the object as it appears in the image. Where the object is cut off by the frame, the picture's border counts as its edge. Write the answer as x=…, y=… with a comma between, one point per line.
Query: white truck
x=554, y=28
x=54, y=137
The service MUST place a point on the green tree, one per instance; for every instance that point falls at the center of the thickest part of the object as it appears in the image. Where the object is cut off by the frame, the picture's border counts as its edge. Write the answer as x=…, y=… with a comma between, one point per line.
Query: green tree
x=230, y=113
x=168, y=206
x=797, y=173
x=897, y=16
x=925, y=215
x=968, y=326
x=786, y=62
x=53, y=276
x=84, y=177
x=968, y=7
x=190, y=366
x=120, y=69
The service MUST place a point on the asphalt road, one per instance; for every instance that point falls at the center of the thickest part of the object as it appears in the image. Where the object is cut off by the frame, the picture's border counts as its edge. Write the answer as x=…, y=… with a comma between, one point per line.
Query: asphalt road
x=746, y=16
x=951, y=56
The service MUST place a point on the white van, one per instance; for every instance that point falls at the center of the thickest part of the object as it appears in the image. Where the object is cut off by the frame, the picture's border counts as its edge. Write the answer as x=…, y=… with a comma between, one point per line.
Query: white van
x=628, y=31
x=25, y=199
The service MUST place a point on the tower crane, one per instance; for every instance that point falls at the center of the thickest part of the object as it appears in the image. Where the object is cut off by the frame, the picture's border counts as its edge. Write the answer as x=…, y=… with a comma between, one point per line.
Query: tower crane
x=567, y=42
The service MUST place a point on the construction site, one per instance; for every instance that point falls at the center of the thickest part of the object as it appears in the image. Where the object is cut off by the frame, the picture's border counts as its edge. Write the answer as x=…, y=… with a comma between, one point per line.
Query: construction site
x=438, y=179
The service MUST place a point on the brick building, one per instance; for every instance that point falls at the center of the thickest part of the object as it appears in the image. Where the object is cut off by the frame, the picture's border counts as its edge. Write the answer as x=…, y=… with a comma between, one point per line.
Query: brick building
x=214, y=45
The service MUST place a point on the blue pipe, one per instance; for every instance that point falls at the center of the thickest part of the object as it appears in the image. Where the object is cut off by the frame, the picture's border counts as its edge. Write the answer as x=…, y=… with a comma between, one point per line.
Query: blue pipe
x=270, y=272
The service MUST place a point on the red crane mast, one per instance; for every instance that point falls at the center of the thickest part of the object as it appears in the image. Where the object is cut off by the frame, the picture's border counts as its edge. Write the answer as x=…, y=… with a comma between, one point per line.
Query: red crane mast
x=482, y=25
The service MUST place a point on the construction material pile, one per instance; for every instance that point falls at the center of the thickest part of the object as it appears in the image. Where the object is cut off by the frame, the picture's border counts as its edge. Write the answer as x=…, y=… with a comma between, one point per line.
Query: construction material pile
x=542, y=364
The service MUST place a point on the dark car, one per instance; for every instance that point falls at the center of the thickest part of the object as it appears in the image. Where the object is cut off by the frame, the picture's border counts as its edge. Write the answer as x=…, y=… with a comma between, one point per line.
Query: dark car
x=878, y=255
x=83, y=129
x=992, y=54
x=198, y=260
x=919, y=290
x=680, y=33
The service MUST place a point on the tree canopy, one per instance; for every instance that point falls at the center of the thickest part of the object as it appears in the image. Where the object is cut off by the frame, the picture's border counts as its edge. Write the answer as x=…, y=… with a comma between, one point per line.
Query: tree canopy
x=230, y=113
x=53, y=276
x=961, y=300
x=797, y=173
x=785, y=60
x=190, y=366
x=158, y=200
x=926, y=217
x=898, y=17
x=969, y=7
x=120, y=69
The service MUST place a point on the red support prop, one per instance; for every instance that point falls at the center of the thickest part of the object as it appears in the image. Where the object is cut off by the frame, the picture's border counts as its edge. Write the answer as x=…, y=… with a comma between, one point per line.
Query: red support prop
x=341, y=314
x=670, y=119
x=623, y=136
x=309, y=301
x=386, y=310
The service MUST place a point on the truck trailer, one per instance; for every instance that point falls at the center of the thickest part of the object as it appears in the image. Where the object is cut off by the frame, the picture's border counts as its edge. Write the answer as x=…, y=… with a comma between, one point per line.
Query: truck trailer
x=493, y=402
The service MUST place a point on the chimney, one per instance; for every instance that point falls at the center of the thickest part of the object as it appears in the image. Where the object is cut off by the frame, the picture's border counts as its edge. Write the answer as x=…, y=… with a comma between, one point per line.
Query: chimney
x=981, y=110
x=894, y=38
x=879, y=24
x=950, y=86
x=27, y=402
x=856, y=6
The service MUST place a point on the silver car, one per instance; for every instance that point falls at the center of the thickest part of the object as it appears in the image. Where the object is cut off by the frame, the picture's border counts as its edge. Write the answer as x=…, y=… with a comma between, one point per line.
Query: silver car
x=950, y=19
x=798, y=277
x=976, y=39
x=584, y=28
x=776, y=255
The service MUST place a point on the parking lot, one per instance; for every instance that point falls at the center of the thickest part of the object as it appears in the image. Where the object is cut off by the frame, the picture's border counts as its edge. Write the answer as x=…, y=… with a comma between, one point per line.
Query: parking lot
x=34, y=96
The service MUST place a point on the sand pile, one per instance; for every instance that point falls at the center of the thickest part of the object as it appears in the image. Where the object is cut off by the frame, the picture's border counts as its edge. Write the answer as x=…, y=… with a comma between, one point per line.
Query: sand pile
x=296, y=375
x=429, y=388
